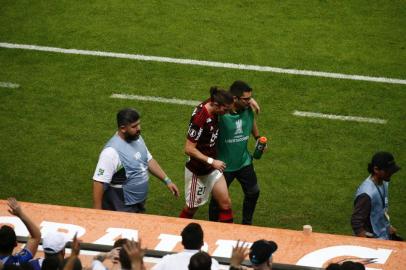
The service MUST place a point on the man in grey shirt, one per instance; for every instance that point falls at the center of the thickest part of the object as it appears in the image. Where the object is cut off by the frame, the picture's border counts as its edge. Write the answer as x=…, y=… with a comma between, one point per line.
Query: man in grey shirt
x=370, y=216
x=120, y=181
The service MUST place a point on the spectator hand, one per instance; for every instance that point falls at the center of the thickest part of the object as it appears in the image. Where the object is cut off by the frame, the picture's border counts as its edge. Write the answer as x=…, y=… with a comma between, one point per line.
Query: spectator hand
x=75, y=246
x=74, y=254
x=15, y=208
x=240, y=251
x=136, y=254
x=114, y=255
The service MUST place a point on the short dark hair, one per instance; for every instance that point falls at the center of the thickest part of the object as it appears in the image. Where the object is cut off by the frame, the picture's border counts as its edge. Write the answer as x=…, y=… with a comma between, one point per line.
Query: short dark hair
x=220, y=96
x=239, y=87
x=8, y=239
x=192, y=236
x=200, y=261
x=350, y=265
x=123, y=256
x=77, y=264
x=127, y=116
x=333, y=266
x=124, y=259
x=120, y=242
x=52, y=263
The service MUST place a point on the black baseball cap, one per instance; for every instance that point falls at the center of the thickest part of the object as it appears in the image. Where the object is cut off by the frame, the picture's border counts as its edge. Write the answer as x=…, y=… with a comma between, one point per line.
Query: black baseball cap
x=385, y=161
x=261, y=251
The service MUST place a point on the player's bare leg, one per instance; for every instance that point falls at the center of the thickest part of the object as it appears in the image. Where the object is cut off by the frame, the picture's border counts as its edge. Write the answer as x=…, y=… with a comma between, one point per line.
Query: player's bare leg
x=220, y=194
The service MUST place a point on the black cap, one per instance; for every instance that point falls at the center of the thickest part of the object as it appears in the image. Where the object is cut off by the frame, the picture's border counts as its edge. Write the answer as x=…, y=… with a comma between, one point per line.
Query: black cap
x=261, y=251
x=385, y=161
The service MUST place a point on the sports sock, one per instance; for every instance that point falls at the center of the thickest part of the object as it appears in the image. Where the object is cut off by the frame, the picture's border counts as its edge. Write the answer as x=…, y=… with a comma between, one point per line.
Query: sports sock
x=186, y=213
x=226, y=216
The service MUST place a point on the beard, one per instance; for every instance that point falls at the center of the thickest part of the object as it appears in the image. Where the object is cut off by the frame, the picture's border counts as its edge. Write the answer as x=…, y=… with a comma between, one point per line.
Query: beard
x=129, y=138
x=240, y=105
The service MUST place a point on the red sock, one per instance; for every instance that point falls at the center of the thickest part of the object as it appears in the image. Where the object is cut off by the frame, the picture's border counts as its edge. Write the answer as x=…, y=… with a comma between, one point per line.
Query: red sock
x=226, y=216
x=186, y=214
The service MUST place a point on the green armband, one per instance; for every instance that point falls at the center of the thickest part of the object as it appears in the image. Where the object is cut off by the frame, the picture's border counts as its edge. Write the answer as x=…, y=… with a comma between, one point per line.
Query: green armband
x=167, y=180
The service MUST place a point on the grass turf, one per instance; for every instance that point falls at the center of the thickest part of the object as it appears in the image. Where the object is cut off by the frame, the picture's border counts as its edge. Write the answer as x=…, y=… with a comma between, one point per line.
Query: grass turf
x=53, y=127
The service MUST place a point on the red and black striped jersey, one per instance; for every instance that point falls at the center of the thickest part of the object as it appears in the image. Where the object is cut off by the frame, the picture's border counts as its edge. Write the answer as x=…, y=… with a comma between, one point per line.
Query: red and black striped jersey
x=203, y=130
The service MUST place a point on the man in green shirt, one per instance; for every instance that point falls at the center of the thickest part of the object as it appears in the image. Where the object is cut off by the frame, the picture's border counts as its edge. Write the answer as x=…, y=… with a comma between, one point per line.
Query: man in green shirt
x=235, y=130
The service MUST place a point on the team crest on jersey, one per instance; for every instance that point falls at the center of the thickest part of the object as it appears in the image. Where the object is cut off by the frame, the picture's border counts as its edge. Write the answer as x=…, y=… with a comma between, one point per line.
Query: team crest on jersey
x=238, y=127
x=213, y=138
x=192, y=132
x=208, y=120
x=137, y=155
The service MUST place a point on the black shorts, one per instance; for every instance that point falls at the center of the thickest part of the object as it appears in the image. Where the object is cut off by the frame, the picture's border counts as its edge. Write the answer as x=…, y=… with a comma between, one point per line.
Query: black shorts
x=246, y=176
x=113, y=199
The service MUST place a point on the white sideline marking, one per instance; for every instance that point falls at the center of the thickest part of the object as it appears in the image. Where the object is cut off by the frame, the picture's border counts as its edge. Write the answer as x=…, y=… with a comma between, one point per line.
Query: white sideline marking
x=9, y=85
x=296, y=113
x=340, y=117
x=157, y=99
x=204, y=63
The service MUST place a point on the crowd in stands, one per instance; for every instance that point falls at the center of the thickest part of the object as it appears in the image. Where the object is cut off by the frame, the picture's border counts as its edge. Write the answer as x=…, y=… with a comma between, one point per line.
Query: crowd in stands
x=128, y=254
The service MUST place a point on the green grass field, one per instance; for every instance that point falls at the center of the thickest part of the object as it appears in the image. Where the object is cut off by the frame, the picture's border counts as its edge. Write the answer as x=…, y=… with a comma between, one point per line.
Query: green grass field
x=54, y=126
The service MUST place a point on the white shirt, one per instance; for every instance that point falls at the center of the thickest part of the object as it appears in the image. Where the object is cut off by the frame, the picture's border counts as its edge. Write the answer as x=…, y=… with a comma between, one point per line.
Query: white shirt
x=98, y=265
x=180, y=261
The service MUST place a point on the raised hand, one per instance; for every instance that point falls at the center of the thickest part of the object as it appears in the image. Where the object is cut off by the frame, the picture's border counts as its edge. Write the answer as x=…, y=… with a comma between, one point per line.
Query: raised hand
x=136, y=254
x=239, y=253
x=15, y=208
x=75, y=245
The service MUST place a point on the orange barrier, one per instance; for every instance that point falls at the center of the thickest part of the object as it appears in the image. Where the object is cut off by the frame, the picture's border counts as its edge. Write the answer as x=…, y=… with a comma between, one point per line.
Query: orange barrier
x=162, y=233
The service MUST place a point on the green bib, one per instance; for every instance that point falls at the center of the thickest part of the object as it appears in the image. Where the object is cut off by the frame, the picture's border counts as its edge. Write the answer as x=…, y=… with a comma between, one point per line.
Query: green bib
x=234, y=132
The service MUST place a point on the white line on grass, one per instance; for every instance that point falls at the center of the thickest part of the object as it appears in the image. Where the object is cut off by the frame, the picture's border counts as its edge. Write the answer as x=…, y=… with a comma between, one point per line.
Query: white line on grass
x=157, y=99
x=9, y=85
x=296, y=113
x=340, y=117
x=204, y=63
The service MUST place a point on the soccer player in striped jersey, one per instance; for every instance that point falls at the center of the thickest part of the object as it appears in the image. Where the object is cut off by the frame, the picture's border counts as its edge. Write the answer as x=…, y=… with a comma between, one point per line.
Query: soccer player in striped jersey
x=204, y=172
